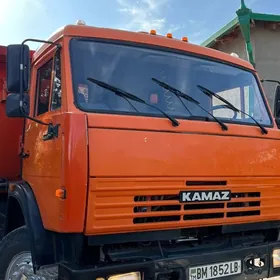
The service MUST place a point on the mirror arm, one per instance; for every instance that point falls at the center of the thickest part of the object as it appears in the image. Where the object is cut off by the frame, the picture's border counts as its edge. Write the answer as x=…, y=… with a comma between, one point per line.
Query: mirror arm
x=41, y=41
x=270, y=81
x=21, y=78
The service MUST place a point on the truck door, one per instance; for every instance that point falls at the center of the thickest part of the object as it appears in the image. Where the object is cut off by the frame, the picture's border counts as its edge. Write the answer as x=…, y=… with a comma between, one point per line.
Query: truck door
x=42, y=163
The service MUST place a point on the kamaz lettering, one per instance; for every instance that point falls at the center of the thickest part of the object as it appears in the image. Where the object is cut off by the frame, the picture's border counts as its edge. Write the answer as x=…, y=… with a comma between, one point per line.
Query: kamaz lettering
x=197, y=196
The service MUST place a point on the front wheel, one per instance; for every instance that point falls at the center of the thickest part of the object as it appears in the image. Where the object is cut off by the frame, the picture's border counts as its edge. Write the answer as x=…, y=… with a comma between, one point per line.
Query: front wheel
x=15, y=257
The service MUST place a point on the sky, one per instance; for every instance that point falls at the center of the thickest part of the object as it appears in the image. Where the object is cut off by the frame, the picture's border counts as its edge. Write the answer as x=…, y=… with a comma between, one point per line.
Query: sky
x=196, y=19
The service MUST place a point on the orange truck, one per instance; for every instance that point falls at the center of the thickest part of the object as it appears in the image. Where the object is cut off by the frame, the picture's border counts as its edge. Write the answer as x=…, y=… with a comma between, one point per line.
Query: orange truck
x=131, y=156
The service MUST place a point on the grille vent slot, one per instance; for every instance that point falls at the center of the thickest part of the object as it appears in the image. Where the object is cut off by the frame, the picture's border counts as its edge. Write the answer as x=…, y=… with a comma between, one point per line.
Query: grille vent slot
x=166, y=208
x=206, y=183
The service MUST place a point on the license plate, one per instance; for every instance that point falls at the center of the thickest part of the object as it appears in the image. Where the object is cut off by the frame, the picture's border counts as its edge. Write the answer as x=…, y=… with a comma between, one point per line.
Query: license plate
x=216, y=270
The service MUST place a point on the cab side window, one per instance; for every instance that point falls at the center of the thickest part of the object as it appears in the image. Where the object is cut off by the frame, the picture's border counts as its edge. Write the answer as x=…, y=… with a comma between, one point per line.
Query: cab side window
x=44, y=77
x=56, y=93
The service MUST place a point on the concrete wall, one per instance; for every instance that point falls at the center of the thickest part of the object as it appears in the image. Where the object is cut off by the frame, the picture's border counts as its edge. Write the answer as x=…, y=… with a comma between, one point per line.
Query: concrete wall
x=235, y=45
x=266, y=47
x=267, y=57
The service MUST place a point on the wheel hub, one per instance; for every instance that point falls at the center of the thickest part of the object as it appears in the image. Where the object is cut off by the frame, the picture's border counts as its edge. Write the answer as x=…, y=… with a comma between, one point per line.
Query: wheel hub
x=21, y=268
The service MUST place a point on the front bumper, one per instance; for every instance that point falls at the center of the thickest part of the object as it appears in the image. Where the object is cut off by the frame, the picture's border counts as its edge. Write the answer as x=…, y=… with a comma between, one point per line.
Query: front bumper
x=177, y=267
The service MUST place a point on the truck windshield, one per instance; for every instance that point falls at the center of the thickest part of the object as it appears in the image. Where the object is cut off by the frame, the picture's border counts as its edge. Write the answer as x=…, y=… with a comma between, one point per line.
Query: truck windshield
x=132, y=68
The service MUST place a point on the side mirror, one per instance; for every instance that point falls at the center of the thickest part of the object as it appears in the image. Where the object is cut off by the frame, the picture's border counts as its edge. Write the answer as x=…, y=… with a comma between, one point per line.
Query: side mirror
x=13, y=105
x=18, y=57
x=277, y=102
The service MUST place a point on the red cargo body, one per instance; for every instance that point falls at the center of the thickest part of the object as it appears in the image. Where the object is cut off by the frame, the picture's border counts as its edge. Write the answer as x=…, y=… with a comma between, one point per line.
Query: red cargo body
x=10, y=131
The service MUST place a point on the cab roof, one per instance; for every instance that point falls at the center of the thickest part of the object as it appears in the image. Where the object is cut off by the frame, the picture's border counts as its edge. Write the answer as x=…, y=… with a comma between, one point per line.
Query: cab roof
x=142, y=38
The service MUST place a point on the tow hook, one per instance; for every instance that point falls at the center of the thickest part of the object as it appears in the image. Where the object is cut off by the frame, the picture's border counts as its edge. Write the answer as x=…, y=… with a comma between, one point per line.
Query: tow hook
x=255, y=264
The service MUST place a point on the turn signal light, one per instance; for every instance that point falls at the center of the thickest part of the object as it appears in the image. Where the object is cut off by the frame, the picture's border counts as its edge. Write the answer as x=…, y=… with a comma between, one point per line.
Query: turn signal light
x=60, y=193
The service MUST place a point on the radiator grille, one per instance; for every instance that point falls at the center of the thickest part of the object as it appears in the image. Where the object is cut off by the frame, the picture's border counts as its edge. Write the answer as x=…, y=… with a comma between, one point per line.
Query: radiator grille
x=241, y=205
x=122, y=205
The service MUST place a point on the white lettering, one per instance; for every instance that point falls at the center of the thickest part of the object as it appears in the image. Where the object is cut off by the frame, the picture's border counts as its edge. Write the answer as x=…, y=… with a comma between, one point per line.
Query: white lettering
x=225, y=195
x=186, y=197
x=196, y=197
x=206, y=196
x=216, y=196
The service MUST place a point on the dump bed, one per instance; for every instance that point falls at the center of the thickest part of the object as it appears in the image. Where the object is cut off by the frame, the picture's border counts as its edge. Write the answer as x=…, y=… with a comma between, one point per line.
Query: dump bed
x=10, y=130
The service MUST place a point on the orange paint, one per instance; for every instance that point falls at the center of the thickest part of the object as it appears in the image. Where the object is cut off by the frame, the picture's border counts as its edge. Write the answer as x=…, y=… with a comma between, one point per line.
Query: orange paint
x=160, y=163
x=112, y=203
x=104, y=162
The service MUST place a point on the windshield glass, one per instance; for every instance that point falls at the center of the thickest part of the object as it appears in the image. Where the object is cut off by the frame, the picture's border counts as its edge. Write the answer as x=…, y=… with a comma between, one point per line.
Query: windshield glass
x=132, y=68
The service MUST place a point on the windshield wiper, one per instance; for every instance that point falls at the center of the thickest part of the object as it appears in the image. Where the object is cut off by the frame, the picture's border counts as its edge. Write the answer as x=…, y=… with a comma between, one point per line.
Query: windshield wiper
x=180, y=94
x=231, y=106
x=124, y=94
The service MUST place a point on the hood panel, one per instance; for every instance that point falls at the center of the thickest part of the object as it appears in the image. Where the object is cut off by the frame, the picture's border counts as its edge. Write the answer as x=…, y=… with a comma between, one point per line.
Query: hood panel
x=131, y=153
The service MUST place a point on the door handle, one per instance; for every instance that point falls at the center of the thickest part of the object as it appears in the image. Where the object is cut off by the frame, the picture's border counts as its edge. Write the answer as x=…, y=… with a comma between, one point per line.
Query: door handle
x=52, y=132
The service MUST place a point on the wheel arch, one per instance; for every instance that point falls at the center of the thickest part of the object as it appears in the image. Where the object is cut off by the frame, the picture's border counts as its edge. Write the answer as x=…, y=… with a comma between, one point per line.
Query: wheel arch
x=14, y=217
x=22, y=209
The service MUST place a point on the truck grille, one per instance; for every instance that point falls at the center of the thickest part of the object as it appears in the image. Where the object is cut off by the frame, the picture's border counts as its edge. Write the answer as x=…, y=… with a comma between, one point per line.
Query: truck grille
x=119, y=205
x=241, y=205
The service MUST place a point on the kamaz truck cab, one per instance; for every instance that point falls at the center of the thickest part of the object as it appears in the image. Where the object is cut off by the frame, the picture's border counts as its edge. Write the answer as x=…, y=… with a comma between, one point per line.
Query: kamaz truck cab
x=142, y=157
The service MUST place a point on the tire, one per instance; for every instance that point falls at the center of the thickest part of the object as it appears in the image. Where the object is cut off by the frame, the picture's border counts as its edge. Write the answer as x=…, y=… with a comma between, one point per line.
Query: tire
x=12, y=244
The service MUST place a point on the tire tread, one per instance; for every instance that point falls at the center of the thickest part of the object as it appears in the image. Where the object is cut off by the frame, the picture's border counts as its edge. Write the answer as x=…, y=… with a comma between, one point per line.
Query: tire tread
x=13, y=243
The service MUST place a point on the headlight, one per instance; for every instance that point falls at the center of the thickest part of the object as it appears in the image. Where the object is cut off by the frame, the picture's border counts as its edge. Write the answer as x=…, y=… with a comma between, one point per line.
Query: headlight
x=126, y=276
x=276, y=258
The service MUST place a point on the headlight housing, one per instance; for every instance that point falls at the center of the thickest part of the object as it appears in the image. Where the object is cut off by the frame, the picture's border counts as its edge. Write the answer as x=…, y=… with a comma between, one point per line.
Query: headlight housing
x=276, y=258
x=125, y=276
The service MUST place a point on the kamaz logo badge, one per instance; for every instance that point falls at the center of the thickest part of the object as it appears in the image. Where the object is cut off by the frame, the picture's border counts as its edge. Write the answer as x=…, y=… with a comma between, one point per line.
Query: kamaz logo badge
x=204, y=196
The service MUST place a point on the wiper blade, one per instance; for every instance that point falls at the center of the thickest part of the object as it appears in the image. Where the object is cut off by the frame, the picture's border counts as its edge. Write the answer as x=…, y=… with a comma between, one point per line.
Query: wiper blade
x=211, y=93
x=175, y=91
x=124, y=94
x=231, y=106
x=179, y=94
